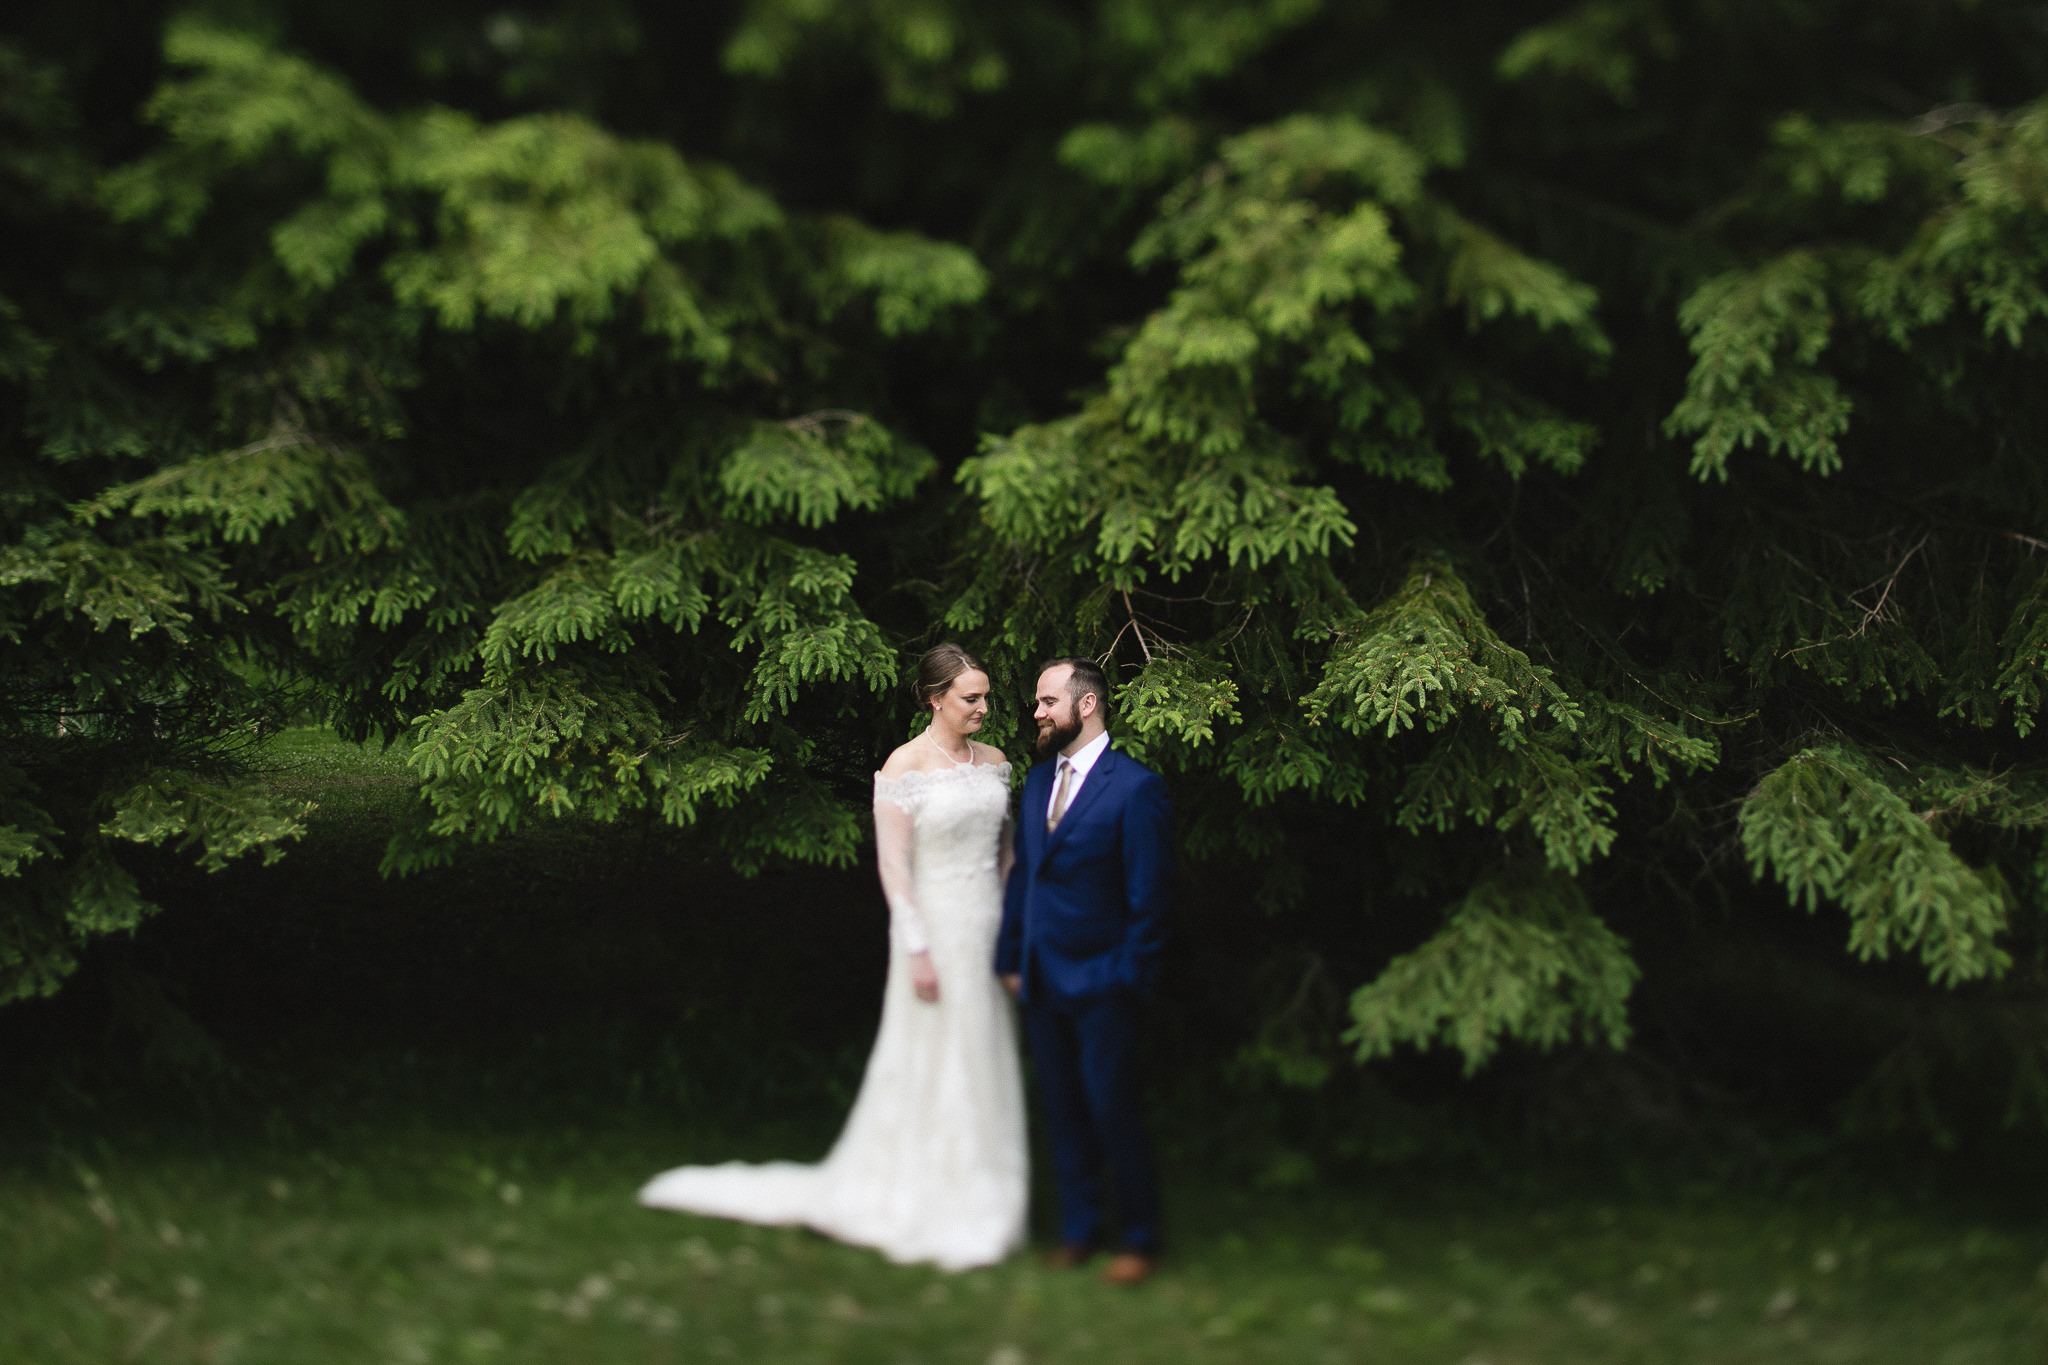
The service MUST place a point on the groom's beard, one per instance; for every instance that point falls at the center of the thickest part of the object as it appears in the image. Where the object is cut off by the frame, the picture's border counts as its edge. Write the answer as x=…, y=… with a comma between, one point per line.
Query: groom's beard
x=1055, y=735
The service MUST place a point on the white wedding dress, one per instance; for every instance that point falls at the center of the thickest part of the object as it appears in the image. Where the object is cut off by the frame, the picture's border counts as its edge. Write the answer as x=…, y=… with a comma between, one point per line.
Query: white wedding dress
x=932, y=1164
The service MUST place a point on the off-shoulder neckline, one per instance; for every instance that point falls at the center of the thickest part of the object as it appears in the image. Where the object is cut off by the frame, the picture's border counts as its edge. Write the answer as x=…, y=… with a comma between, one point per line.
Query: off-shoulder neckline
x=1003, y=766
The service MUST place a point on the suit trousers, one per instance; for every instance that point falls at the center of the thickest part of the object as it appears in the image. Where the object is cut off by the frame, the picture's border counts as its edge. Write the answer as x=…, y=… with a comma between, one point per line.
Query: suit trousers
x=1086, y=1053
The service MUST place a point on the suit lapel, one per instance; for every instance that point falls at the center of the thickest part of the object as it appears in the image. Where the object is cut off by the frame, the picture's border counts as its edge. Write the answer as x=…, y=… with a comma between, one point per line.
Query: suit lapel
x=1037, y=800
x=1098, y=779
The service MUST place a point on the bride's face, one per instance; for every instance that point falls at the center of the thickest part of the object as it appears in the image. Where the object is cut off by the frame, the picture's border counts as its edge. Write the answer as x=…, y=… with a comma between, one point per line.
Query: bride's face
x=963, y=706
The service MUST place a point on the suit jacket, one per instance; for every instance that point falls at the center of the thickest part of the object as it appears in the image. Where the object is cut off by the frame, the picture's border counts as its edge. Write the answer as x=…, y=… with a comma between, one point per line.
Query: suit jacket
x=1084, y=912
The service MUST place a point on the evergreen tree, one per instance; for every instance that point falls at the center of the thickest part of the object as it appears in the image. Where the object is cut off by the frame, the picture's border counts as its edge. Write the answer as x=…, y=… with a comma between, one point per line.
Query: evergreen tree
x=1528, y=469
x=517, y=433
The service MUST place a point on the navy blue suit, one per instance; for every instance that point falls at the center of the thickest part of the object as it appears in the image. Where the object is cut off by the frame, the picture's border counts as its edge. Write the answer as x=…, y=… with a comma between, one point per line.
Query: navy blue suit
x=1084, y=924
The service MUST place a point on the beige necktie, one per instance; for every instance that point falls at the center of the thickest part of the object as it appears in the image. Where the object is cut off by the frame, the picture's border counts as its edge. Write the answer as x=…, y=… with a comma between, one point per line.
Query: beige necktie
x=1059, y=797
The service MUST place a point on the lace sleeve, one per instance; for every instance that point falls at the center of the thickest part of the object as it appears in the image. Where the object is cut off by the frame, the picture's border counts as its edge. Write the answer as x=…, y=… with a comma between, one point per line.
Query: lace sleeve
x=895, y=824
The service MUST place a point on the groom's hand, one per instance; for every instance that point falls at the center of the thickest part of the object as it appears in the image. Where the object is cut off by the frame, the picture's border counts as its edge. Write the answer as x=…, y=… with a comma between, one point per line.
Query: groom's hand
x=1013, y=983
x=924, y=978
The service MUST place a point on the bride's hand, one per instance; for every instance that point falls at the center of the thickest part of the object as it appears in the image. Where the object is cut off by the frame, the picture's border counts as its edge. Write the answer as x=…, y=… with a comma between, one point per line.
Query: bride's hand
x=924, y=979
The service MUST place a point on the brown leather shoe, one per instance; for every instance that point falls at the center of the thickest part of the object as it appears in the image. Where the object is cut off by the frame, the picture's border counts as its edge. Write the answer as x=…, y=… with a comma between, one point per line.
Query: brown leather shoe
x=1129, y=1267
x=1069, y=1255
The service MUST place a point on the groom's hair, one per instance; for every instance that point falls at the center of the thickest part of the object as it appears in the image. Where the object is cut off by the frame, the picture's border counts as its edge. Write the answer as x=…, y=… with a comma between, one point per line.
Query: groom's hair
x=1087, y=677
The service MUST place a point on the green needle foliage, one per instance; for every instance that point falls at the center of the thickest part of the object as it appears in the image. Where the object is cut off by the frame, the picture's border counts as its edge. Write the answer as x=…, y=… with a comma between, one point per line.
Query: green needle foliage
x=1534, y=475
x=1831, y=823
x=617, y=616
x=1521, y=958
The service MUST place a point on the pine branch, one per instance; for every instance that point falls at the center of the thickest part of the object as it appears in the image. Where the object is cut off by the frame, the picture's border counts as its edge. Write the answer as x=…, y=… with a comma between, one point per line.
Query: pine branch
x=1521, y=957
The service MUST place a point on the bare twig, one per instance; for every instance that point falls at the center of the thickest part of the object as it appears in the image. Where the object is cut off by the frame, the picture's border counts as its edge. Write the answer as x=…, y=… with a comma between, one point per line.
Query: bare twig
x=812, y=421
x=1877, y=612
x=1128, y=611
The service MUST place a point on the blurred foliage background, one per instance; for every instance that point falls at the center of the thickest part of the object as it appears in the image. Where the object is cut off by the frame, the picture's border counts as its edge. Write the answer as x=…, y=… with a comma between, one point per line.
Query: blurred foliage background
x=1559, y=491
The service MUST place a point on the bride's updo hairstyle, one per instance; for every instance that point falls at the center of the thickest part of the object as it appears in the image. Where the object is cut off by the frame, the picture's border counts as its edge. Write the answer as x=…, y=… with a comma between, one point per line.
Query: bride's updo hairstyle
x=937, y=669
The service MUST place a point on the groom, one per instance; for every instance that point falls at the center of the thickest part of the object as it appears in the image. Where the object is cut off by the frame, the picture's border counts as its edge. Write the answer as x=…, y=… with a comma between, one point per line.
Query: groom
x=1084, y=922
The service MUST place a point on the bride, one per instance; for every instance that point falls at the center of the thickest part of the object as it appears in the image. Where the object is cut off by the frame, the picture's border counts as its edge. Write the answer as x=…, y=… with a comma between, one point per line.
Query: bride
x=932, y=1164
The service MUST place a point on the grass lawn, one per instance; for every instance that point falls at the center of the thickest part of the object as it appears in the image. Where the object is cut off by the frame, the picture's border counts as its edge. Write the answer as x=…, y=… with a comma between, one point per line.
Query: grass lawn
x=417, y=1246
x=425, y=1151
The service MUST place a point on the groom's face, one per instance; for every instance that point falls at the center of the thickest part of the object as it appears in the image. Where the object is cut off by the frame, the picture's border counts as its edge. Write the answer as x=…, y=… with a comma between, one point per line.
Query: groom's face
x=1059, y=712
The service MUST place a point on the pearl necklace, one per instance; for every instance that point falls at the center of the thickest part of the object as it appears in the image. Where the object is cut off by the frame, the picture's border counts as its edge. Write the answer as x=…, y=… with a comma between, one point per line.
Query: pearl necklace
x=949, y=758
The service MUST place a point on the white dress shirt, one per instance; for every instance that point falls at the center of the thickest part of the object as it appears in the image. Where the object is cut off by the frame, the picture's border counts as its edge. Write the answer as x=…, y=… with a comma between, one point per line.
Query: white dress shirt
x=1081, y=763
